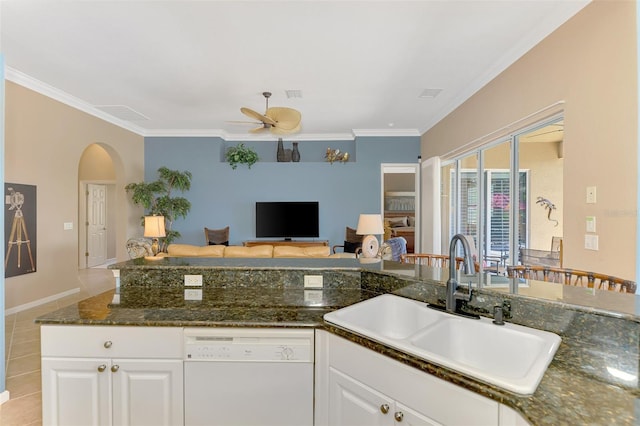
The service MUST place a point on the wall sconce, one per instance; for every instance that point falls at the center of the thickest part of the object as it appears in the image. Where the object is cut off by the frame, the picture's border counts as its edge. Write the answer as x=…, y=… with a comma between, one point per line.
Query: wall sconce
x=335, y=155
x=370, y=225
x=154, y=229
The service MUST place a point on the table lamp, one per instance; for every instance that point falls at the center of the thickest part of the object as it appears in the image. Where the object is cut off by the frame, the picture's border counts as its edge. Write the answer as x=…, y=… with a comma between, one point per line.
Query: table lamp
x=154, y=229
x=370, y=225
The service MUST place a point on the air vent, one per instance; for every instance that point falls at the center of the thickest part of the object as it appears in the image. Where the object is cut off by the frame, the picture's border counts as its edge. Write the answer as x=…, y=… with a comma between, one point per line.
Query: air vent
x=293, y=93
x=430, y=93
x=122, y=112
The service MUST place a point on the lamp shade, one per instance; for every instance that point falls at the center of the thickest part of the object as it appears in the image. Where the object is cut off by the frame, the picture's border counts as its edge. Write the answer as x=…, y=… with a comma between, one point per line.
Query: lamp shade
x=370, y=224
x=154, y=226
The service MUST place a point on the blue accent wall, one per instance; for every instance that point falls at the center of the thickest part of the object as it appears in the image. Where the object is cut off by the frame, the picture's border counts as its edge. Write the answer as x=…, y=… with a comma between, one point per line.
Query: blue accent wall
x=221, y=196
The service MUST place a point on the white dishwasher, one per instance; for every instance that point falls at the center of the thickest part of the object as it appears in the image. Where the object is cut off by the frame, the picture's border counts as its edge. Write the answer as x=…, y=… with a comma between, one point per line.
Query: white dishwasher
x=248, y=376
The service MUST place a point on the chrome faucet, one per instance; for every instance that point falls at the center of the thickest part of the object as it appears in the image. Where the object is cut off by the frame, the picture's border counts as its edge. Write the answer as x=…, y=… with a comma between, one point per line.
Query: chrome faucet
x=453, y=295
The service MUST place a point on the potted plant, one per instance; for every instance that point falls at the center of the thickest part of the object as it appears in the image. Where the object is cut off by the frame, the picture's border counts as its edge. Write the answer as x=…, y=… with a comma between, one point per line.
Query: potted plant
x=157, y=199
x=241, y=154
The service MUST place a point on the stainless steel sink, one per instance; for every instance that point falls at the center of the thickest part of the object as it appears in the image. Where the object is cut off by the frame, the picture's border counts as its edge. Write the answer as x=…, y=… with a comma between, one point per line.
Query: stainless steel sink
x=510, y=356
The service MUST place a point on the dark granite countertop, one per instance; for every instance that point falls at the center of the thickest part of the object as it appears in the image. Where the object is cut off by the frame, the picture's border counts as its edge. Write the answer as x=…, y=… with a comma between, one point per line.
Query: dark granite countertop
x=244, y=307
x=567, y=395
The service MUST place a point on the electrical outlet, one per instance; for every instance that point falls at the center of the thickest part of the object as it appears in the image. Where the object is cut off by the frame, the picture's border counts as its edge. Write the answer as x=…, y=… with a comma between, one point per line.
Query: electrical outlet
x=193, y=280
x=591, y=194
x=313, y=281
x=313, y=297
x=192, y=294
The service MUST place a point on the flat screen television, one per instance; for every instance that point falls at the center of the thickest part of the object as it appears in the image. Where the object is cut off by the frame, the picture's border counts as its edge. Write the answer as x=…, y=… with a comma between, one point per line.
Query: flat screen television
x=287, y=219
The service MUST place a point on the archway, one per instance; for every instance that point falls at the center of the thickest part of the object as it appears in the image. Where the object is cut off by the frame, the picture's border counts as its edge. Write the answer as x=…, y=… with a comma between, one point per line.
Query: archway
x=96, y=207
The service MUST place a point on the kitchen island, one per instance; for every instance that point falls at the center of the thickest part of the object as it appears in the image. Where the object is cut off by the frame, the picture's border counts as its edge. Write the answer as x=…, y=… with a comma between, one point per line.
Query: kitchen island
x=577, y=388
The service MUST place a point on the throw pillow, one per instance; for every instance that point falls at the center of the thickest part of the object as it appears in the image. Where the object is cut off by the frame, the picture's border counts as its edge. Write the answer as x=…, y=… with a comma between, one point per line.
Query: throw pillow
x=350, y=247
x=398, y=222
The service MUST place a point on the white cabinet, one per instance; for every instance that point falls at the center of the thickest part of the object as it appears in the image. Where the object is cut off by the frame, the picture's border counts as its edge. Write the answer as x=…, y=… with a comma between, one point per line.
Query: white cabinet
x=112, y=375
x=355, y=385
x=354, y=403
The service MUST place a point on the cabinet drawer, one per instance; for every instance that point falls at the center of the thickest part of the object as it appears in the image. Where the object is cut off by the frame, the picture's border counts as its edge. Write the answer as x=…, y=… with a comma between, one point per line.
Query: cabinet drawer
x=108, y=341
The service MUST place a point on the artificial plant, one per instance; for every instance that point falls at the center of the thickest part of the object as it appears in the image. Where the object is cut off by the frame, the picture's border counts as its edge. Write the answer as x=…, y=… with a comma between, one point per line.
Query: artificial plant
x=157, y=199
x=241, y=154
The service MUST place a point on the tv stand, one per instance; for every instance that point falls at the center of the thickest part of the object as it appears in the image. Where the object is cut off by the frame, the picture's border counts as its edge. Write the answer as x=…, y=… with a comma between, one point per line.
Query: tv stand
x=297, y=243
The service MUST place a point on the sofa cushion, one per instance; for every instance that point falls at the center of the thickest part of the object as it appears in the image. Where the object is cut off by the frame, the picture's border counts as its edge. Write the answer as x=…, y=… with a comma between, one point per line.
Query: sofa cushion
x=264, y=250
x=292, y=251
x=188, y=250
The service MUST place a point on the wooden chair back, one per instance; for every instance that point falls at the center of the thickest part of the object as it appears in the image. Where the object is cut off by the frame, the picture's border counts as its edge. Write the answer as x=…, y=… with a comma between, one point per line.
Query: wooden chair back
x=217, y=236
x=572, y=277
x=433, y=260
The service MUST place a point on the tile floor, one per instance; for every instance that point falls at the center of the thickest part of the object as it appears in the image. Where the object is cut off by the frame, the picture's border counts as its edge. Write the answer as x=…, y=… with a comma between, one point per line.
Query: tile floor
x=22, y=351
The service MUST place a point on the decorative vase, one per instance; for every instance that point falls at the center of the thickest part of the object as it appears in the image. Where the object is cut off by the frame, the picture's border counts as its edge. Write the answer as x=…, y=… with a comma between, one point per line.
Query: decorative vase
x=280, y=156
x=295, y=154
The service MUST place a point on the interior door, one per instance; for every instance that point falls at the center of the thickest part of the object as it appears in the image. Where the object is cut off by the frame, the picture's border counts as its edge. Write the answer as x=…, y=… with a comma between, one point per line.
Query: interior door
x=96, y=224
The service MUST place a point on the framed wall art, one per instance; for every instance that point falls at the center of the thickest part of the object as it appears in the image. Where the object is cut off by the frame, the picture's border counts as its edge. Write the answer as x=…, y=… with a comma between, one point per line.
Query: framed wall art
x=19, y=229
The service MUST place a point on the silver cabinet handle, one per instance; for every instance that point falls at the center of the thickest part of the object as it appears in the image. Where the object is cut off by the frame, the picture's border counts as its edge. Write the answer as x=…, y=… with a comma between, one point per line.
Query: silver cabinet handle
x=101, y=368
x=398, y=416
x=108, y=344
x=115, y=368
x=384, y=408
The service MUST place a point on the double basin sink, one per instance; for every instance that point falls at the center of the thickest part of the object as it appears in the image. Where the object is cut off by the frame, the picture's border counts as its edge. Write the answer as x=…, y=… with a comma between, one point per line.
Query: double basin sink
x=509, y=356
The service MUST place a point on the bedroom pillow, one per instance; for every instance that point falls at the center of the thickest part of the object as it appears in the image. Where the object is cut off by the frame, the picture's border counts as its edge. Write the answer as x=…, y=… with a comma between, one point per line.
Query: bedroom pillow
x=411, y=221
x=398, y=222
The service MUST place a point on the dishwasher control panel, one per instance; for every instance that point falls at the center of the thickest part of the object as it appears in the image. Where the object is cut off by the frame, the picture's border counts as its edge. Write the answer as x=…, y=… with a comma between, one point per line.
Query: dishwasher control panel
x=248, y=345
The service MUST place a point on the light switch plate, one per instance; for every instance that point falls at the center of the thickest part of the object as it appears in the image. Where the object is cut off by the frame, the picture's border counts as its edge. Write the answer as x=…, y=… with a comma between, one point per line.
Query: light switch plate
x=591, y=224
x=68, y=226
x=591, y=242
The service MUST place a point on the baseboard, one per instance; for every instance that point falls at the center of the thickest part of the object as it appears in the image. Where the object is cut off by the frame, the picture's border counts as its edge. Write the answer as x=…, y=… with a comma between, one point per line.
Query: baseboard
x=39, y=302
x=4, y=397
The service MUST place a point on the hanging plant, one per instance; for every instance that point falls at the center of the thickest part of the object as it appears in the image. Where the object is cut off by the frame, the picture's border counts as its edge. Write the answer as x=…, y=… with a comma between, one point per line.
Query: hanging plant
x=241, y=154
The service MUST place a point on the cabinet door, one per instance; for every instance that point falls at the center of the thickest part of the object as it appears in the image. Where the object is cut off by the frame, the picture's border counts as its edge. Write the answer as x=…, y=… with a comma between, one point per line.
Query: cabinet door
x=147, y=392
x=351, y=403
x=76, y=391
x=409, y=417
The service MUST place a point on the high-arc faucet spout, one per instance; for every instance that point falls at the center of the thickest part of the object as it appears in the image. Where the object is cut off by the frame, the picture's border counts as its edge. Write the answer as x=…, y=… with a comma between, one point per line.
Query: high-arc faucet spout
x=453, y=295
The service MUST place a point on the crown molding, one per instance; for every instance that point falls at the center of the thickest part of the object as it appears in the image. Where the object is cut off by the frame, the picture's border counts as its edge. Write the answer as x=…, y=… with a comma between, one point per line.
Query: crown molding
x=386, y=132
x=38, y=86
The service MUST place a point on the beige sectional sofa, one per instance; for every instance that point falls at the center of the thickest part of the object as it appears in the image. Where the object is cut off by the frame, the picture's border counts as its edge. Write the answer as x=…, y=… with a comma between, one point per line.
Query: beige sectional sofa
x=262, y=251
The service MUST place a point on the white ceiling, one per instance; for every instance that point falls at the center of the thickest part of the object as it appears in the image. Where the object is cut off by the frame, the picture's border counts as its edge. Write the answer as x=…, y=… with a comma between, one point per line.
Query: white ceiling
x=188, y=66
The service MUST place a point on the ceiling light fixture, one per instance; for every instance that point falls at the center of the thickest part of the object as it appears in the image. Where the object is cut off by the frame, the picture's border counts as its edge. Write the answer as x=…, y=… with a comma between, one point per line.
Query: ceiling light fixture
x=430, y=93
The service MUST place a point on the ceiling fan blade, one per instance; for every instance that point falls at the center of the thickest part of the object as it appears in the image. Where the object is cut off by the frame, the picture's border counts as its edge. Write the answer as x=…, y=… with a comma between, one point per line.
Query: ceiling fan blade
x=242, y=122
x=257, y=116
x=276, y=130
x=258, y=129
x=285, y=118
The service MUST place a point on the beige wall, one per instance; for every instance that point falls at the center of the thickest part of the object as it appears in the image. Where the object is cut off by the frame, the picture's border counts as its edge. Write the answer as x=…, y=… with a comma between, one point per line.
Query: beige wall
x=44, y=142
x=590, y=64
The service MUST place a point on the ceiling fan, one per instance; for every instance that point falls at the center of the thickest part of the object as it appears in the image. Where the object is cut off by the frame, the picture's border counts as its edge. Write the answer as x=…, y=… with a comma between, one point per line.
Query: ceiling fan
x=278, y=120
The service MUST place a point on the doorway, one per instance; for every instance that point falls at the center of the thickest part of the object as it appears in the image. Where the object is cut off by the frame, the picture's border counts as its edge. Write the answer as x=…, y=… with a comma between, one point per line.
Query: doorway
x=96, y=213
x=400, y=195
